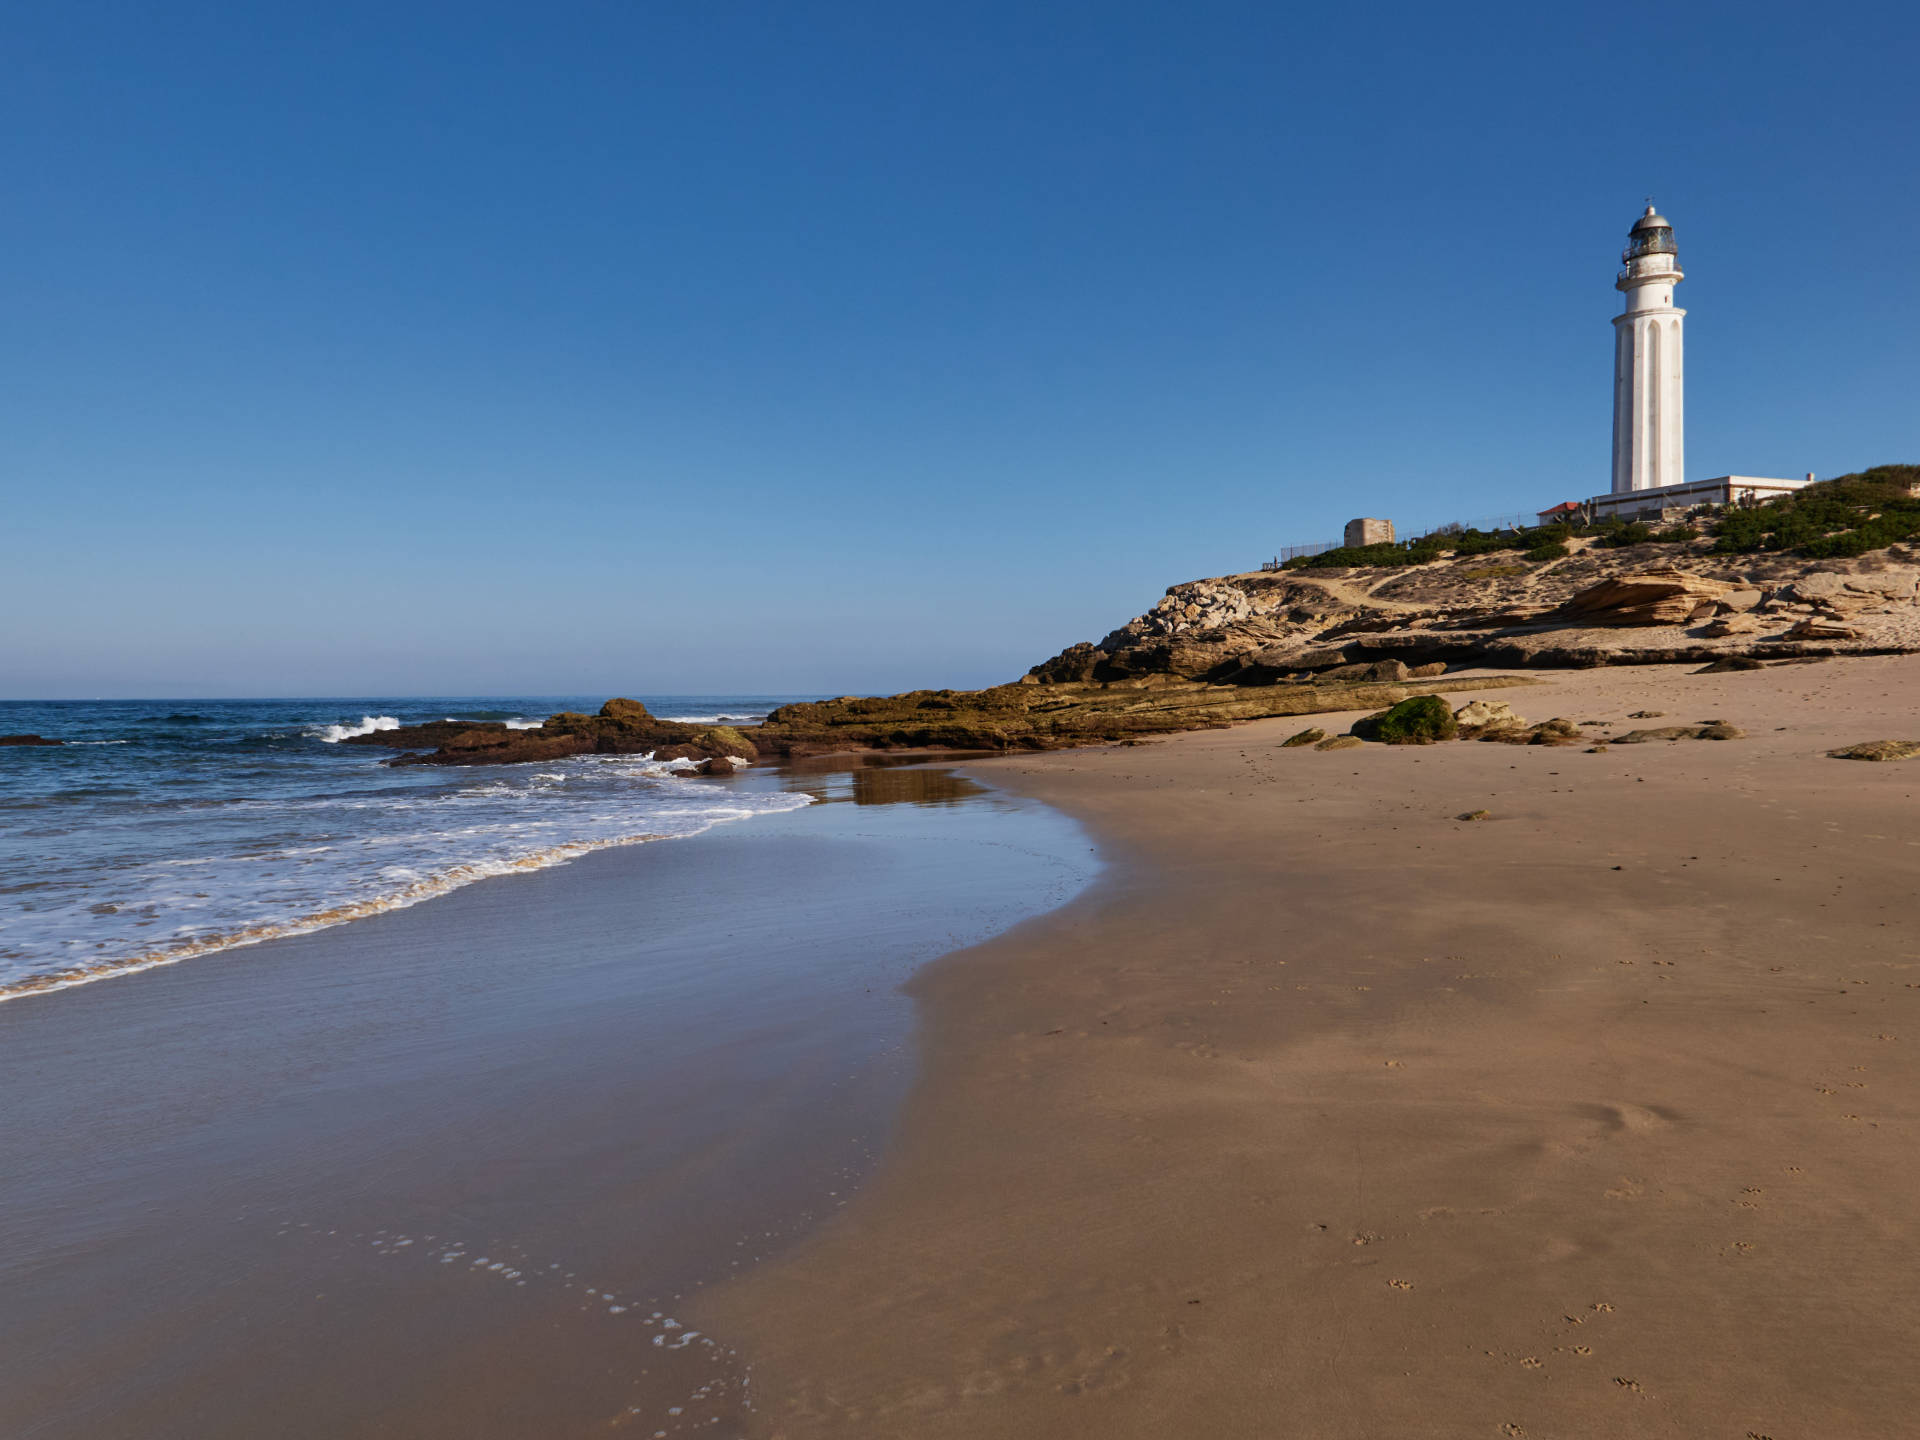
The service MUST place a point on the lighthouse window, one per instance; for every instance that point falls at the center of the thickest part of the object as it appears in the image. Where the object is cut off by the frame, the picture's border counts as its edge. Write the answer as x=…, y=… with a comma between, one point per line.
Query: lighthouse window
x=1657, y=241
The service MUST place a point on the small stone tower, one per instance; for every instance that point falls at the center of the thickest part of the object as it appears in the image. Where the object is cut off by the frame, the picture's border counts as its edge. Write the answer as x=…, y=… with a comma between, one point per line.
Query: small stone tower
x=1648, y=418
x=1369, y=532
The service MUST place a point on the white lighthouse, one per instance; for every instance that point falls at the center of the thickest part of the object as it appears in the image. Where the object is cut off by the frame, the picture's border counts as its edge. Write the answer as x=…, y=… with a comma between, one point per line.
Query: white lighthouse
x=1649, y=419
x=1648, y=415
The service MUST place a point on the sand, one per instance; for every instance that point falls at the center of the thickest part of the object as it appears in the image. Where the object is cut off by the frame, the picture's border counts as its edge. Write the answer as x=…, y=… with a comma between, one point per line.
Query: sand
x=1324, y=1114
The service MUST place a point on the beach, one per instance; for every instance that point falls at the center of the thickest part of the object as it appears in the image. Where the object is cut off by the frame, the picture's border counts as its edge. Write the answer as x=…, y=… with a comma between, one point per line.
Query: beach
x=1305, y=1107
x=1324, y=1113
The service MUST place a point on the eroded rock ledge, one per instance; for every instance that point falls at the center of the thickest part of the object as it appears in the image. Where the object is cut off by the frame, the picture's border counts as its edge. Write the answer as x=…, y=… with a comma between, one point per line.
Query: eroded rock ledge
x=1636, y=605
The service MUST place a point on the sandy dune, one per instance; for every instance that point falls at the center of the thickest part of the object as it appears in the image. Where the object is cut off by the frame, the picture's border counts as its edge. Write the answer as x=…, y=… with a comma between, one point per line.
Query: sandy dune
x=1328, y=1115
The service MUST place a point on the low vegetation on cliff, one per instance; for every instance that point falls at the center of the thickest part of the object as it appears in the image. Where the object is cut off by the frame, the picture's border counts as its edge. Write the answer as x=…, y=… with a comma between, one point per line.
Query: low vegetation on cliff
x=1850, y=515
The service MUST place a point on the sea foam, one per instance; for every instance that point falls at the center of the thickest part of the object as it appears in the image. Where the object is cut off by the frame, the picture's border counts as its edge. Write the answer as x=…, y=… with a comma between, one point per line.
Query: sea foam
x=334, y=734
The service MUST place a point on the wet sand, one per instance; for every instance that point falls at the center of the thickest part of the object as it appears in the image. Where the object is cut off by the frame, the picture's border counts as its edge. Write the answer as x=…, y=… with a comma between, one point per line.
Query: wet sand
x=454, y=1170
x=1324, y=1114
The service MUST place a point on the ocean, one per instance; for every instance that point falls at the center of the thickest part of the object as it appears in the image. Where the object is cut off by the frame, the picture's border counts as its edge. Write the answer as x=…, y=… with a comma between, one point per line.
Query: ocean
x=166, y=829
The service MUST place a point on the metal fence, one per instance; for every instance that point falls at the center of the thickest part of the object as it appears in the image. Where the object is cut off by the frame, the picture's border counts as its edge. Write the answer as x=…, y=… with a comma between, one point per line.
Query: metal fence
x=1522, y=520
x=1294, y=552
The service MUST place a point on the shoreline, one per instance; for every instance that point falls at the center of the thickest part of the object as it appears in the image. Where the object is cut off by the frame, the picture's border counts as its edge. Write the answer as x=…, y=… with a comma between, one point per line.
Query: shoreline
x=1327, y=1114
x=454, y=1169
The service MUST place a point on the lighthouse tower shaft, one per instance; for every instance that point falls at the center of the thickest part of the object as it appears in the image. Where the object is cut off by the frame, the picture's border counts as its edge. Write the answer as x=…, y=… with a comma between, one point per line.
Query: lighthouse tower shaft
x=1648, y=405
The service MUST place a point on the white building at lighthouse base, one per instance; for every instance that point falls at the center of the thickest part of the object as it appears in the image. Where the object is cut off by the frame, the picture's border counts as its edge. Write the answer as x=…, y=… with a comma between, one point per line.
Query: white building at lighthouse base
x=1656, y=502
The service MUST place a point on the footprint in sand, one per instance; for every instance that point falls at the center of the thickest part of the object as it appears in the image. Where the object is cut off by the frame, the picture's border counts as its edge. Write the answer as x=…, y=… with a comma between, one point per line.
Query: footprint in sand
x=1635, y=1119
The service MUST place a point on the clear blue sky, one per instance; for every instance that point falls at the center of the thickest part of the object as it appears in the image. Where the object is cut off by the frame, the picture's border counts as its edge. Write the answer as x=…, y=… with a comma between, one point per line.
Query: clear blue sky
x=501, y=348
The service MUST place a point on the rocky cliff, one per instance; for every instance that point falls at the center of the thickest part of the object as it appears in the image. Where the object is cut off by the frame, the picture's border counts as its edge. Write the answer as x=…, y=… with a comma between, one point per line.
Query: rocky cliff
x=1639, y=604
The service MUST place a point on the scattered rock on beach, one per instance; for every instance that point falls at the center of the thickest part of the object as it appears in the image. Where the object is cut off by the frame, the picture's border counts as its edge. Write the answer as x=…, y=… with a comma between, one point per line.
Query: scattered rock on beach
x=1312, y=735
x=1714, y=730
x=1481, y=715
x=1340, y=742
x=1557, y=731
x=1878, y=750
x=28, y=740
x=1475, y=815
x=1729, y=665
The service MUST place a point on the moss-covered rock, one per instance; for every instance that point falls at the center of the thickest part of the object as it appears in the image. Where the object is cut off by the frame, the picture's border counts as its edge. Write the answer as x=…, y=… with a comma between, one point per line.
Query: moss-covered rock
x=1312, y=735
x=1420, y=720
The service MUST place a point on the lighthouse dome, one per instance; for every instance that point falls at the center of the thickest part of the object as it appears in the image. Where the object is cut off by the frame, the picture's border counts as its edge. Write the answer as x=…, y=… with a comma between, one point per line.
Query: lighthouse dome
x=1652, y=234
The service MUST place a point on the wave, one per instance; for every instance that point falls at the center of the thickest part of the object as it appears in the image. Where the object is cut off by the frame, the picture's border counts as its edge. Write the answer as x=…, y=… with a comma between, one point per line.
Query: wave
x=715, y=719
x=525, y=724
x=334, y=734
x=426, y=888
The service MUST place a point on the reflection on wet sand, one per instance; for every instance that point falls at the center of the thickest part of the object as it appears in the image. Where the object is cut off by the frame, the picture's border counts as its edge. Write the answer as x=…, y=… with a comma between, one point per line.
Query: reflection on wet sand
x=879, y=780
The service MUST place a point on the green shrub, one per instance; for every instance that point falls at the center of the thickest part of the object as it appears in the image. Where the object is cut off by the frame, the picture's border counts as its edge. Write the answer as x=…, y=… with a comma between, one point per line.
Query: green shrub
x=1847, y=516
x=1419, y=721
x=1551, y=550
x=1618, y=536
